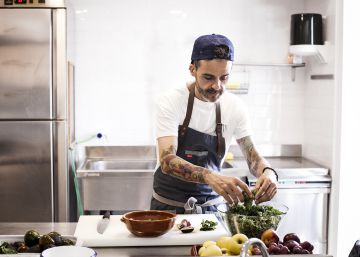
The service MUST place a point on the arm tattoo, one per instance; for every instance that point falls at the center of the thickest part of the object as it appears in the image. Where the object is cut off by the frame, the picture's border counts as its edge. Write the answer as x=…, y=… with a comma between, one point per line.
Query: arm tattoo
x=175, y=166
x=252, y=157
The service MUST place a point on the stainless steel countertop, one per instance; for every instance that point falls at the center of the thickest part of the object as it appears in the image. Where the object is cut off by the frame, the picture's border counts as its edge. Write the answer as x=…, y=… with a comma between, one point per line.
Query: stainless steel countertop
x=280, y=163
x=285, y=166
x=69, y=229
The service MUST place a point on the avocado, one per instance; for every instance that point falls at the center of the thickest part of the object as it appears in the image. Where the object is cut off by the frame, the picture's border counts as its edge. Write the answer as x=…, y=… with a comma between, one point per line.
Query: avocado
x=34, y=249
x=45, y=241
x=68, y=242
x=23, y=249
x=31, y=238
x=56, y=237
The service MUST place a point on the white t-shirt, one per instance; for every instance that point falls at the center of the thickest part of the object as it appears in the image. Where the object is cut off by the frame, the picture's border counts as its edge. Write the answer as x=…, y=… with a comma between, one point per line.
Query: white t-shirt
x=171, y=111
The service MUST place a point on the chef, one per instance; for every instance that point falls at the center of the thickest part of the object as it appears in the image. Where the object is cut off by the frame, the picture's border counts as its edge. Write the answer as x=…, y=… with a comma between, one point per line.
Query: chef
x=195, y=125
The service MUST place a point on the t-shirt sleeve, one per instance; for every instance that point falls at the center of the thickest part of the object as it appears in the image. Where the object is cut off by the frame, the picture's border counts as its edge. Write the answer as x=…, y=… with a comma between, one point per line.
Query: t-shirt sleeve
x=166, y=118
x=243, y=126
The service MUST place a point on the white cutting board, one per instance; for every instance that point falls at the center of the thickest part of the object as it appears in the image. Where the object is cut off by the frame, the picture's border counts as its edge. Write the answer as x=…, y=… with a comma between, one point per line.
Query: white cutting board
x=116, y=234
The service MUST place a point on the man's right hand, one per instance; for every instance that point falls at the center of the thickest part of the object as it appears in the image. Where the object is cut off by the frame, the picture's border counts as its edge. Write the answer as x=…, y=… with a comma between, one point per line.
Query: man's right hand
x=228, y=187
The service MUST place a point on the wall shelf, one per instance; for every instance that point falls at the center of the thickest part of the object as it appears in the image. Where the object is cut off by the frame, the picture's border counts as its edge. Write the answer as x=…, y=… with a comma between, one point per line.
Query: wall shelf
x=241, y=91
x=272, y=65
x=281, y=65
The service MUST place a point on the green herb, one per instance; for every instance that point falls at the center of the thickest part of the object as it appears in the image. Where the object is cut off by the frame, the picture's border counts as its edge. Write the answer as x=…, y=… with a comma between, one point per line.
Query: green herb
x=207, y=225
x=248, y=200
x=6, y=248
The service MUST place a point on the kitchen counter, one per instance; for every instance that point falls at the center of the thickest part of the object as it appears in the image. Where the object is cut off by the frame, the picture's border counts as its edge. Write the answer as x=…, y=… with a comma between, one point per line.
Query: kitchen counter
x=281, y=164
x=69, y=229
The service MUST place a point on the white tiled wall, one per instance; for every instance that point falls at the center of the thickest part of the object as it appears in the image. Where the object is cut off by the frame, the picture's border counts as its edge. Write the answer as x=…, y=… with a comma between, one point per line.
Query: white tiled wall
x=126, y=52
x=319, y=95
x=276, y=105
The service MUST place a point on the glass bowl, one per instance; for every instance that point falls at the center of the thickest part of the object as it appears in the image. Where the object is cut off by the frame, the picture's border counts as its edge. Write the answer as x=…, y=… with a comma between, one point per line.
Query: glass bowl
x=252, y=225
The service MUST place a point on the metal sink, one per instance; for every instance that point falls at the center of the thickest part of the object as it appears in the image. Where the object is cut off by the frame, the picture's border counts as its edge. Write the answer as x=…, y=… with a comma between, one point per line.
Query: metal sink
x=100, y=165
x=118, y=184
x=106, y=165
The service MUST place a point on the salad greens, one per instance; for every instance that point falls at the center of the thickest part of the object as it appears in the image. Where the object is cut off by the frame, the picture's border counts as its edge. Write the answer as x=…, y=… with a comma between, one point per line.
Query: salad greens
x=251, y=219
x=207, y=225
x=249, y=200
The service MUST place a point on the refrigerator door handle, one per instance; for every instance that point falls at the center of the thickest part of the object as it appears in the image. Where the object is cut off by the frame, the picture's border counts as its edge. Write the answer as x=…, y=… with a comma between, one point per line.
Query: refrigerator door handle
x=59, y=99
x=60, y=174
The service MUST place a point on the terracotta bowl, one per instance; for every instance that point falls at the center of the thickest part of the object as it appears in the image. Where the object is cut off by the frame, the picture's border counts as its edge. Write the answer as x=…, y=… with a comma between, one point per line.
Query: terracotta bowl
x=149, y=223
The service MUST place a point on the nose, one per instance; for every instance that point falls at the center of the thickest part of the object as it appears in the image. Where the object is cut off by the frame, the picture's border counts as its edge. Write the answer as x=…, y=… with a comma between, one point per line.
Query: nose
x=217, y=84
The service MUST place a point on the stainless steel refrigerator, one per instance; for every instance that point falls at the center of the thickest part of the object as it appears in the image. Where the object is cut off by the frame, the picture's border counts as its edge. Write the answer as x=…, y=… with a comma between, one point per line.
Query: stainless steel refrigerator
x=33, y=111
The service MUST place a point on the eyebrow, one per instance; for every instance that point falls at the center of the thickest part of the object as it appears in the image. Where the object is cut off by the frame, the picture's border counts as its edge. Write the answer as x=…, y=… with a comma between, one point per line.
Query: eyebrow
x=211, y=75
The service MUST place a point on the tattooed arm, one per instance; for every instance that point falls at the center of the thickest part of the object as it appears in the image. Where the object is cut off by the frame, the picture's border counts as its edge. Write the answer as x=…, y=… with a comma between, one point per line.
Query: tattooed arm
x=266, y=184
x=173, y=165
x=255, y=162
x=229, y=187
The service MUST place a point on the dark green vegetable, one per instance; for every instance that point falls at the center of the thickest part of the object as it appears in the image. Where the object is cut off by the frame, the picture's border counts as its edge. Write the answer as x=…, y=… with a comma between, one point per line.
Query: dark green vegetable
x=56, y=237
x=34, y=249
x=207, y=225
x=45, y=242
x=67, y=242
x=6, y=248
x=23, y=249
x=52, y=239
x=252, y=220
x=248, y=201
x=31, y=238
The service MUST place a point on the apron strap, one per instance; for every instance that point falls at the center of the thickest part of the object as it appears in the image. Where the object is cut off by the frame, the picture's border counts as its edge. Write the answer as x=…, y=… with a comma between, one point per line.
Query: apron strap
x=190, y=206
x=218, y=129
x=189, y=110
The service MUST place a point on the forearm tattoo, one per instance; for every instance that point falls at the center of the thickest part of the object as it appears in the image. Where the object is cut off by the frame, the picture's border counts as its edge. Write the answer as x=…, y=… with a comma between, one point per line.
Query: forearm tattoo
x=252, y=157
x=173, y=165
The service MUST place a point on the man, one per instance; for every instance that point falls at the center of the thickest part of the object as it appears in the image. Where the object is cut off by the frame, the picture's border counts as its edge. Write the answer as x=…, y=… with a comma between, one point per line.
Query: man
x=194, y=128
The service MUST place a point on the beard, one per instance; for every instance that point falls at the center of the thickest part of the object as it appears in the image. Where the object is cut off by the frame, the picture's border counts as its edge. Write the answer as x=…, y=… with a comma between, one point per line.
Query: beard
x=210, y=94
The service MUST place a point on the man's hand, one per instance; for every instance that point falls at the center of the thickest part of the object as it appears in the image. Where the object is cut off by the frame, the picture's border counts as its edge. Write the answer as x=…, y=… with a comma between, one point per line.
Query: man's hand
x=266, y=186
x=229, y=187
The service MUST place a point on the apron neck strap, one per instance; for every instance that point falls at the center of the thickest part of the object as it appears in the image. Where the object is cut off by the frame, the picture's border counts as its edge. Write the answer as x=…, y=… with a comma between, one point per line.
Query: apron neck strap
x=219, y=129
x=190, y=106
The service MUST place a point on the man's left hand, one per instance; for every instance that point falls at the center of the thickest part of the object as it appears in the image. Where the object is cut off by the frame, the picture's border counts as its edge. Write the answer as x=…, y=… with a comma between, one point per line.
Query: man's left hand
x=266, y=186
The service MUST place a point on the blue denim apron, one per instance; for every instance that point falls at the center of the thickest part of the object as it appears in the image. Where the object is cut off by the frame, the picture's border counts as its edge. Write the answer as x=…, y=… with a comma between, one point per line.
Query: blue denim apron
x=171, y=193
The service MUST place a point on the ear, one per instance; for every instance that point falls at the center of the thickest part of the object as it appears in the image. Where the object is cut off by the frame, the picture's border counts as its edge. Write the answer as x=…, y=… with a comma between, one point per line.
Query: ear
x=192, y=70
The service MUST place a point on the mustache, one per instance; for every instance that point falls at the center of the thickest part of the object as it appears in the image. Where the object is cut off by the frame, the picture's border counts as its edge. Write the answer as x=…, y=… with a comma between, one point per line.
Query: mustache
x=212, y=91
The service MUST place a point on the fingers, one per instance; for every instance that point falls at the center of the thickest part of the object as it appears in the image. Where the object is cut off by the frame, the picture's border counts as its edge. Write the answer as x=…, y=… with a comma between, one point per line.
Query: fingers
x=266, y=192
x=244, y=187
x=230, y=188
x=238, y=186
x=231, y=192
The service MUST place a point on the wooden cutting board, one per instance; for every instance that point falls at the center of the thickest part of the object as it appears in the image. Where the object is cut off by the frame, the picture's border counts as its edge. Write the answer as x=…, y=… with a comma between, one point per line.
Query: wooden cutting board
x=116, y=234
